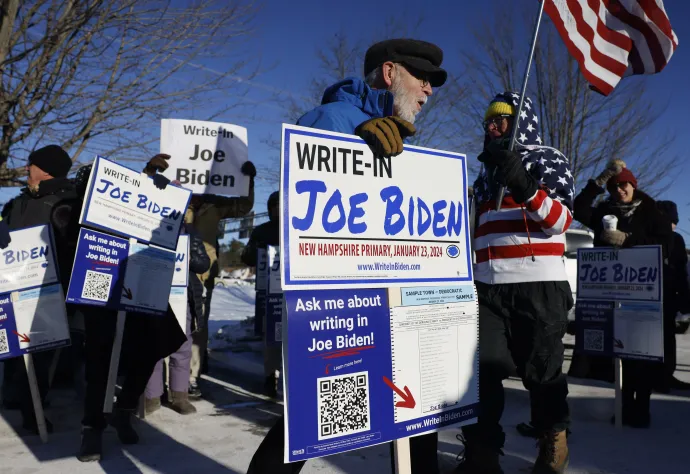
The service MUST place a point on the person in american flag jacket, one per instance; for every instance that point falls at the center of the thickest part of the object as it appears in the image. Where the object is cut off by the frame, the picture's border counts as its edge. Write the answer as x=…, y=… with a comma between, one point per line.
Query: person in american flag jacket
x=524, y=296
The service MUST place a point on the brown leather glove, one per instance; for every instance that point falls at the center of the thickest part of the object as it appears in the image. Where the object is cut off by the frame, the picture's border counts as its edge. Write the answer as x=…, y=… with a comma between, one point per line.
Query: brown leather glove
x=157, y=163
x=385, y=135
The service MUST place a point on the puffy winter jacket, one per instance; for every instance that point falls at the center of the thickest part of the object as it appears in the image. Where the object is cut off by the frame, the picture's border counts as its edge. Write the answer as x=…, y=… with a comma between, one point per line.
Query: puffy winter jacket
x=347, y=104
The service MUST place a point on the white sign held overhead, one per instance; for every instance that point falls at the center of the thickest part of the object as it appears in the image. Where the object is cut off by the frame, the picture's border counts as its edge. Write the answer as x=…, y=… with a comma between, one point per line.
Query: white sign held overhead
x=206, y=157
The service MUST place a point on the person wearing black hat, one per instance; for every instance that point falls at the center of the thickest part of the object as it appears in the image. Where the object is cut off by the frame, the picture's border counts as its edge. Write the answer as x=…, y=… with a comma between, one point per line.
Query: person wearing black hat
x=262, y=236
x=400, y=75
x=47, y=186
x=676, y=299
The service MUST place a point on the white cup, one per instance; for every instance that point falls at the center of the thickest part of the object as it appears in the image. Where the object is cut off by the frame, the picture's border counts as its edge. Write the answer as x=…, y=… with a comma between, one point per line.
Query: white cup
x=610, y=222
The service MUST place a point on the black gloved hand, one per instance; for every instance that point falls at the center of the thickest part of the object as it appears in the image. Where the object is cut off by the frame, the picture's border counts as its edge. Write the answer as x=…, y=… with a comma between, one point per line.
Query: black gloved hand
x=510, y=173
x=160, y=181
x=5, y=238
x=157, y=163
x=248, y=169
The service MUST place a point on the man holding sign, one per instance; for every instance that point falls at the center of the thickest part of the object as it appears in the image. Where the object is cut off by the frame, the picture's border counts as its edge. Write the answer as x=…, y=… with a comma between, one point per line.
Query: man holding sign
x=204, y=214
x=381, y=110
x=47, y=186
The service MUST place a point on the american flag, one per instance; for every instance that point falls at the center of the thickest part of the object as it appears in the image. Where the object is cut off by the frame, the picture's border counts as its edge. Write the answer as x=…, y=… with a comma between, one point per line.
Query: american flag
x=611, y=39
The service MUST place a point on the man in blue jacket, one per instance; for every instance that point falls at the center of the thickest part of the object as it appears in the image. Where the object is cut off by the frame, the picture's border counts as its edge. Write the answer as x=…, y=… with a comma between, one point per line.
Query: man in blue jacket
x=381, y=109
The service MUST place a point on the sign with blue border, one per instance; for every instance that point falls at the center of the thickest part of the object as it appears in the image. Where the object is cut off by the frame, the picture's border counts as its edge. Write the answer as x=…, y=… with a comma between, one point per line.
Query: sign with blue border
x=33, y=316
x=354, y=220
x=127, y=203
x=619, y=309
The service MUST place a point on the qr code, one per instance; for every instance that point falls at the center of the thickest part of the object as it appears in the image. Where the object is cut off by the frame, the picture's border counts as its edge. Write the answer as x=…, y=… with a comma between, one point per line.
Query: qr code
x=343, y=403
x=96, y=286
x=4, y=346
x=278, y=332
x=594, y=340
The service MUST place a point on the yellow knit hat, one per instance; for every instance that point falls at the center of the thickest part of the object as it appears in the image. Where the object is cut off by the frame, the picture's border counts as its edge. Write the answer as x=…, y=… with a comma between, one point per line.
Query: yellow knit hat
x=499, y=107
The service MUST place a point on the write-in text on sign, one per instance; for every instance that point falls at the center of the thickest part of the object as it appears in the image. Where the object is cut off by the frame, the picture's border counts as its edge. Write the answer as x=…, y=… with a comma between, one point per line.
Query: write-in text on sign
x=351, y=219
x=126, y=202
x=206, y=157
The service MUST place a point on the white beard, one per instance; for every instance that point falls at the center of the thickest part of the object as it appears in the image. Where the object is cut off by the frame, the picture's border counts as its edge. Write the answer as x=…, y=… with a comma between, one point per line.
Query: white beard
x=404, y=102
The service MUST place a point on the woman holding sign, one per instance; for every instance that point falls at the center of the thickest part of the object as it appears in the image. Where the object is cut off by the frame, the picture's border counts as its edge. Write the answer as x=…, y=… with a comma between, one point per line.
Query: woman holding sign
x=628, y=218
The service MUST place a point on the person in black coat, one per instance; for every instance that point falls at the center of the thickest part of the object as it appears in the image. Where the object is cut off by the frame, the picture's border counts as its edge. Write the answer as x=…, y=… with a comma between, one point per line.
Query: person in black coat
x=676, y=299
x=639, y=223
x=262, y=236
x=47, y=187
x=147, y=339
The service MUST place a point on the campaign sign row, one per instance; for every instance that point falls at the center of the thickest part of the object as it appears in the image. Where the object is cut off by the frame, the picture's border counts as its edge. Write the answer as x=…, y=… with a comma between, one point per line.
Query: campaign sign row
x=380, y=336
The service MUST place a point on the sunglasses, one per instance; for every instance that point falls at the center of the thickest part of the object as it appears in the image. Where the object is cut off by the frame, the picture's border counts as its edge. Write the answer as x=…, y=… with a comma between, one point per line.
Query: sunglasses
x=495, y=121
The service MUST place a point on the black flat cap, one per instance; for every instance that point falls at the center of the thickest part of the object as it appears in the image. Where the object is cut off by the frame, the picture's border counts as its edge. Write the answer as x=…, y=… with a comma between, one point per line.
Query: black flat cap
x=420, y=55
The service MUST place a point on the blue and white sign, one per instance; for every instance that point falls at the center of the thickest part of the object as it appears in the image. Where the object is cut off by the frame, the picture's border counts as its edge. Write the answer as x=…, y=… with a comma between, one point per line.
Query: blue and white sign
x=178, y=292
x=148, y=279
x=98, y=271
x=354, y=220
x=32, y=305
x=274, y=298
x=358, y=373
x=181, y=274
x=108, y=271
x=126, y=202
x=261, y=289
x=619, y=309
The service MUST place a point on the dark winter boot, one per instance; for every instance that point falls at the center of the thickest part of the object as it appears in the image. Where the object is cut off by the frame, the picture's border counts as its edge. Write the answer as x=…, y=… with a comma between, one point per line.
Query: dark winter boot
x=151, y=405
x=553, y=455
x=271, y=386
x=122, y=422
x=479, y=459
x=179, y=402
x=641, y=417
x=194, y=391
x=91, y=445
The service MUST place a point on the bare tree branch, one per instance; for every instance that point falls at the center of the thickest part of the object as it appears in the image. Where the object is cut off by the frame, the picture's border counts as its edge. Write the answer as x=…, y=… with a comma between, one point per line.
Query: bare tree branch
x=73, y=71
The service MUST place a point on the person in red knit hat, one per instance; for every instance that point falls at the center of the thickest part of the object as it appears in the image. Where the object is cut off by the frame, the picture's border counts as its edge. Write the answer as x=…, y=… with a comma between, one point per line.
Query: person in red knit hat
x=639, y=223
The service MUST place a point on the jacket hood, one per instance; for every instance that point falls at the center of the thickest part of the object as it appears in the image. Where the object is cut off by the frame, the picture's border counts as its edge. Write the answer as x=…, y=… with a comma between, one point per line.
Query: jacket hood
x=529, y=133
x=354, y=91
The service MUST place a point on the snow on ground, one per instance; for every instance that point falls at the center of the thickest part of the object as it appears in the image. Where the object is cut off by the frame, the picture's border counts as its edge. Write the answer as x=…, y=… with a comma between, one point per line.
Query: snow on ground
x=232, y=421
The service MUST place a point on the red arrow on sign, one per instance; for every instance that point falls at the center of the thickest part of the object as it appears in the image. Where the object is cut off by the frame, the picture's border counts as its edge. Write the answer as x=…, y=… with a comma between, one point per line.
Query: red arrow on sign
x=128, y=293
x=22, y=337
x=407, y=398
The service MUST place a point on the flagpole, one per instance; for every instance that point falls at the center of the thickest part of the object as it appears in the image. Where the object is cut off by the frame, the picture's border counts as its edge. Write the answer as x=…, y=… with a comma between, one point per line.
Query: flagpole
x=513, y=138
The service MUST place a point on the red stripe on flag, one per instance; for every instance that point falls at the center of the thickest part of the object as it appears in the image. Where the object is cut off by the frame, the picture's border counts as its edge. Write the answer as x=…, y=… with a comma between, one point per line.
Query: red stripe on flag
x=554, y=214
x=538, y=200
x=588, y=34
x=612, y=36
x=568, y=221
x=658, y=16
x=519, y=251
x=506, y=227
x=617, y=10
x=599, y=85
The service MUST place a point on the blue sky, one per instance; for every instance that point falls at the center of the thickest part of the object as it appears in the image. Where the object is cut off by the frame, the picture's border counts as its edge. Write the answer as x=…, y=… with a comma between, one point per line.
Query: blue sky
x=288, y=33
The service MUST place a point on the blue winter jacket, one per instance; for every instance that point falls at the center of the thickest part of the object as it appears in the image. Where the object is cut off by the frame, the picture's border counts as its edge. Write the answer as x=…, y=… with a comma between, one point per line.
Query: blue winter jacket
x=347, y=104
